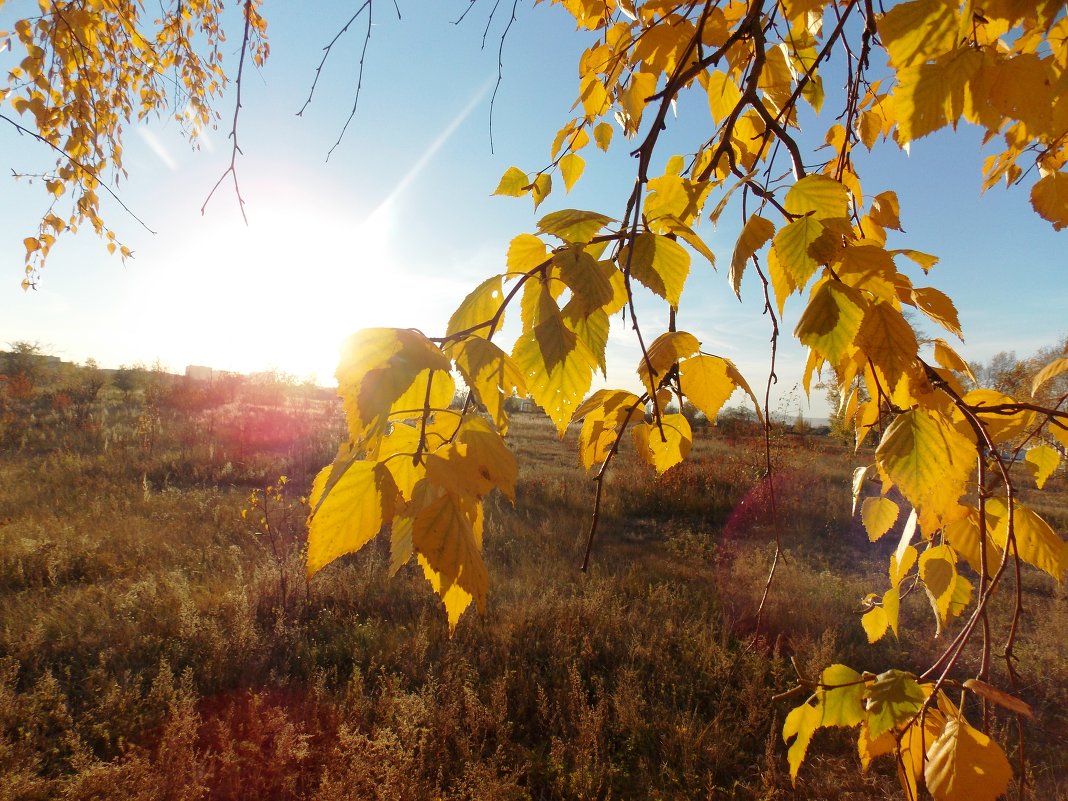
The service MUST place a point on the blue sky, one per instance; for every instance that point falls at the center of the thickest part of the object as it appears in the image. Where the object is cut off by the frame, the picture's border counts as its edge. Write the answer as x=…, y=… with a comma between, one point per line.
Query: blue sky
x=399, y=224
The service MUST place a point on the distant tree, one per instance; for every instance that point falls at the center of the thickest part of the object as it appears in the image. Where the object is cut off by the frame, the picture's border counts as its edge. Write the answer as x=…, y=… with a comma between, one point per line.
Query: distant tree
x=128, y=380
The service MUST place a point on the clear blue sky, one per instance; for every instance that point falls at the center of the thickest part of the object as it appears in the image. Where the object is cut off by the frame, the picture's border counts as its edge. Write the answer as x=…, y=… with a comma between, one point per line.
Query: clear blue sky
x=399, y=224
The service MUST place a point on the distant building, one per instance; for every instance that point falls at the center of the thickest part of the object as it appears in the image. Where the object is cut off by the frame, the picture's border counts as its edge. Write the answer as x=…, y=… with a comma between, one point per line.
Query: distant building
x=198, y=372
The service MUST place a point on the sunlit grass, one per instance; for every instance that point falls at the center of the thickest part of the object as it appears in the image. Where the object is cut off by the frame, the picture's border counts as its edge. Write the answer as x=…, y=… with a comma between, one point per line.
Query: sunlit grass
x=157, y=645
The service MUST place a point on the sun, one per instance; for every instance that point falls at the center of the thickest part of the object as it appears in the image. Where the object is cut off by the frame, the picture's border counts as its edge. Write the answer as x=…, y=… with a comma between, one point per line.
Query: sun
x=281, y=292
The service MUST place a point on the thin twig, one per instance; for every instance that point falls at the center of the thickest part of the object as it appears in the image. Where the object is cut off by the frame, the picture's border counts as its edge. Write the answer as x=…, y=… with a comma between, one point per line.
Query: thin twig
x=236, y=149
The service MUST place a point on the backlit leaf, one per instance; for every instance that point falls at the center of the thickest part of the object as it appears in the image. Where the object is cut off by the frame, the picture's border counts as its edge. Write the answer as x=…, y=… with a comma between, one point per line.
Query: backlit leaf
x=1049, y=197
x=662, y=353
x=377, y=367
x=801, y=723
x=792, y=245
x=879, y=516
x=999, y=697
x=573, y=225
x=819, y=196
x=493, y=376
x=659, y=263
x=1037, y=543
x=525, y=252
x=919, y=31
x=477, y=308
x=513, y=183
x=444, y=533
x=831, y=320
x=707, y=382
x=930, y=461
x=891, y=701
x=665, y=445
x=937, y=305
x=557, y=368
x=360, y=502
x=963, y=764
x=755, y=234
x=1051, y=370
x=1043, y=461
x=571, y=167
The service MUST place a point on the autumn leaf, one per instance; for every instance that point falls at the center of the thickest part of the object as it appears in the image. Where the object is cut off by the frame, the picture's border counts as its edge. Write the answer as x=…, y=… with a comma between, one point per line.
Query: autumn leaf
x=360, y=501
x=666, y=444
x=659, y=263
x=879, y=516
x=930, y=461
x=963, y=764
x=755, y=234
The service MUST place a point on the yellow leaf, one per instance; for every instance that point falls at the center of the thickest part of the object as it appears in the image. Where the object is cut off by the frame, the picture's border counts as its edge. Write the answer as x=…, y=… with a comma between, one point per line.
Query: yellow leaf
x=513, y=183
x=525, y=252
x=400, y=544
x=916, y=739
x=708, y=382
x=1049, y=197
x=801, y=723
x=686, y=234
x=839, y=696
x=879, y=516
x=541, y=188
x=571, y=167
x=925, y=260
x=831, y=320
x=919, y=31
x=573, y=225
x=1001, y=427
x=937, y=305
x=901, y=563
x=640, y=87
x=875, y=623
x=1043, y=461
x=455, y=598
x=476, y=461
x=1036, y=542
x=665, y=350
x=591, y=329
x=723, y=94
x=661, y=264
x=792, y=245
x=557, y=367
x=602, y=135
x=378, y=365
x=929, y=95
x=1051, y=370
x=885, y=210
x=477, y=308
x=938, y=571
x=963, y=535
x=963, y=764
x=950, y=359
x=893, y=699
x=756, y=232
x=350, y=513
x=444, y=533
x=492, y=375
x=603, y=415
x=666, y=445
x=929, y=461
x=819, y=196
x=589, y=280
x=888, y=341
x=869, y=748
x=397, y=452
x=432, y=390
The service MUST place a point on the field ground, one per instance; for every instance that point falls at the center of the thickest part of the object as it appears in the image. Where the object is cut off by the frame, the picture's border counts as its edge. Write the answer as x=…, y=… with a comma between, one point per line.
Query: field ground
x=156, y=644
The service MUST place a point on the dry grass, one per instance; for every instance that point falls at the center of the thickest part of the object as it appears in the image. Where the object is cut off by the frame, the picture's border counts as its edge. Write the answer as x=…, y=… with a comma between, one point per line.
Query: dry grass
x=155, y=647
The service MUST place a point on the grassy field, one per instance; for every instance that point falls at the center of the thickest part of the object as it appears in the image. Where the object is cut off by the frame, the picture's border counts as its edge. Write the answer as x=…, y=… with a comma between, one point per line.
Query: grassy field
x=156, y=644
